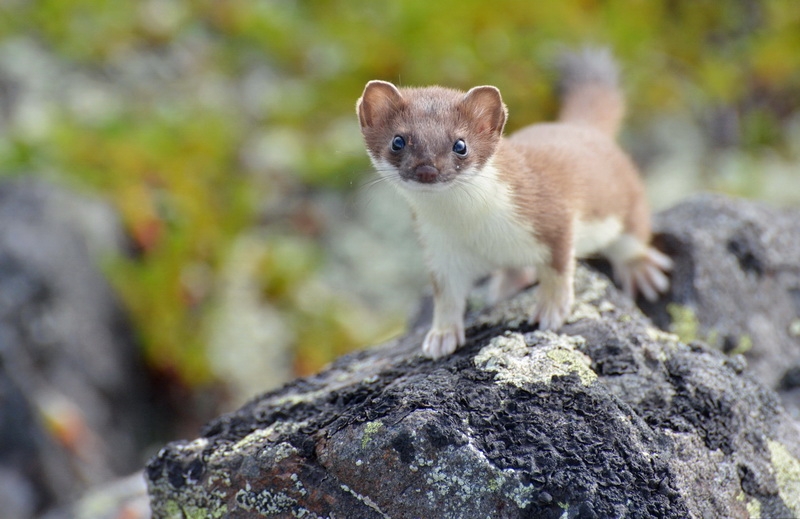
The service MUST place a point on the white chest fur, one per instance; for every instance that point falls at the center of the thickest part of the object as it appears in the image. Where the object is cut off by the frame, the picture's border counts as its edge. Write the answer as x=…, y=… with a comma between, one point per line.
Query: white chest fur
x=471, y=225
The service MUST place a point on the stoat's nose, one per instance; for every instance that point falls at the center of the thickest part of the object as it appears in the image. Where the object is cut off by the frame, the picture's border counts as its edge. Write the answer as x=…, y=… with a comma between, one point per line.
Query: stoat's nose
x=426, y=174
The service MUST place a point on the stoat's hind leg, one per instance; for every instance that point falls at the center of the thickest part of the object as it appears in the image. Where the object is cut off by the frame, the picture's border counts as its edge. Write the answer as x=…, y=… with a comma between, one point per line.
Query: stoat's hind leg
x=505, y=283
x=639, y=267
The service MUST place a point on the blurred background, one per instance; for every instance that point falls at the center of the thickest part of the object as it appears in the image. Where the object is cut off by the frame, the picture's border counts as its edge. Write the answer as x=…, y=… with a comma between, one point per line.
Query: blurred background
x=207, y=158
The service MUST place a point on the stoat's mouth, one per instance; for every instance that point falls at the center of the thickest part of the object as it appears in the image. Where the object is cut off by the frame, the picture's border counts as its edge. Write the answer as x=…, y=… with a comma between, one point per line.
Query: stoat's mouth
x=439, y=184
x=425, y=177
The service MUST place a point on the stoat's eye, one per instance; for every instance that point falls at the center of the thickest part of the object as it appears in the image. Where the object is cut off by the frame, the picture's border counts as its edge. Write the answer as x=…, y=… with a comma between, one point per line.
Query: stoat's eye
x=398, y=143
x=460, y=148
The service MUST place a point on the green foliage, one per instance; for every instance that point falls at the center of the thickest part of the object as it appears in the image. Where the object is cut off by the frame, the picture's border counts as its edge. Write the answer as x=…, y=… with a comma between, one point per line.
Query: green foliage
x=172, y=160
x=171, y=181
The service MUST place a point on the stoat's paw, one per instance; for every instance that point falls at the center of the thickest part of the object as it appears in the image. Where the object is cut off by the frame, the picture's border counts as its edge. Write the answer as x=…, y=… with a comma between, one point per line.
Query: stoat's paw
x=440, y=343
x=645, y=274
x=552, y=309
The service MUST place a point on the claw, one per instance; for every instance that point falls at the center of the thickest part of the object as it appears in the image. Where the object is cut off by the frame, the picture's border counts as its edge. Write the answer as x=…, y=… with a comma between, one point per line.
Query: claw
x=643, y=283
x=441, y=343
x=645, y=274
x=550, y=318
x=658, y=279
x=659, y=259
x=552, y=306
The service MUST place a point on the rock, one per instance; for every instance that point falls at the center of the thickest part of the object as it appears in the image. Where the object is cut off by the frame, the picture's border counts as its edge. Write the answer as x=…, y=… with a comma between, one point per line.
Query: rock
x=73, y=392
x=736, y=284
x=610, y=418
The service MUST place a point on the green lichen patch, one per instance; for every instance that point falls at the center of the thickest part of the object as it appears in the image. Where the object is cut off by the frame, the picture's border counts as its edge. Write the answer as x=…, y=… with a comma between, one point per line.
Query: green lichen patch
x=590, y=293
x=295, y=398
x=506, y=482
x=254, y=441
x=582, y=310
x=744, y=345
x=182, y=505
x=475, y=480
x=282, y=451
x=266, y=502
x=684, y=322
x=270, y=502
x=590, y=286
x=190, y=500
x=787, y=474
x=754, y=509
x=369, y=430
x=753, y=506
x=573, y=361
x=365, y=500
x=549, y=355
x=589, y=298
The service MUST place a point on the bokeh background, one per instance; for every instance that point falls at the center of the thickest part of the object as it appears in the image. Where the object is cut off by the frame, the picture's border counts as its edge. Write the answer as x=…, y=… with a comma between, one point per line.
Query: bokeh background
x=224, y=135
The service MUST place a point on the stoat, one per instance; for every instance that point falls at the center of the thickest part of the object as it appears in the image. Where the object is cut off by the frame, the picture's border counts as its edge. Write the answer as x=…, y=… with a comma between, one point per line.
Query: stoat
x=523, y=206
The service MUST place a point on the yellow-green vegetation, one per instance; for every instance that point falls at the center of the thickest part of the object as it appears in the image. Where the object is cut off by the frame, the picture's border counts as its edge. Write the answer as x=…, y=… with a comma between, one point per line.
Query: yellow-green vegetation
x=247, y=106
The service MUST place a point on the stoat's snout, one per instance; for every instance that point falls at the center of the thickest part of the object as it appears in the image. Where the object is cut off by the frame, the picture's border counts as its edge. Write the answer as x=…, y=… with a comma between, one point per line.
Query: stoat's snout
x=424, y=174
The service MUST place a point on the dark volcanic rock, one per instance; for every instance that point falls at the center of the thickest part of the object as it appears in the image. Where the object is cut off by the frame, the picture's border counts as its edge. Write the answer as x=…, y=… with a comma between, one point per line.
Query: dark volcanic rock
x=610, y=418
x=736, y=284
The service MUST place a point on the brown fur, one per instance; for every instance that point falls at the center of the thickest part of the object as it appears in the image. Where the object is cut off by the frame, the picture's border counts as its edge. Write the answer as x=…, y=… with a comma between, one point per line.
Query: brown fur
x=559, y=171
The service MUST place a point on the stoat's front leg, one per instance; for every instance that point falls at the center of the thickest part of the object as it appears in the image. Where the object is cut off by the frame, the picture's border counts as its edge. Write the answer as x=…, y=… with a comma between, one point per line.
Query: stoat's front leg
x=554, y=298
x=556, y=293
x=451, y=285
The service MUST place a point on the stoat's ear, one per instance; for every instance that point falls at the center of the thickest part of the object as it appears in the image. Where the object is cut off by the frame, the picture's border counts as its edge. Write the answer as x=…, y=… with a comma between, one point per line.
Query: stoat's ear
x=378, y=101
x=485, y=108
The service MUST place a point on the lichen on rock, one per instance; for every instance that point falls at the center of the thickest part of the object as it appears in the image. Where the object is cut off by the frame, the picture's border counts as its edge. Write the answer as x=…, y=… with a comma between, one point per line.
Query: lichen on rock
x=517, y=360
x=787, y=474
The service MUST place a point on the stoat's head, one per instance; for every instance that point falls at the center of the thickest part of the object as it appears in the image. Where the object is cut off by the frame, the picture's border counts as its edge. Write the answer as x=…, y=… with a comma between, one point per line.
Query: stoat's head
x=428, y=137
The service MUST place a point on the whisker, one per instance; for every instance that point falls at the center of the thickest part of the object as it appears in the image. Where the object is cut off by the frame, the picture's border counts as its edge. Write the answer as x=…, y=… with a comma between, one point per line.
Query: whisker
x=466, y=184
x=367, y=187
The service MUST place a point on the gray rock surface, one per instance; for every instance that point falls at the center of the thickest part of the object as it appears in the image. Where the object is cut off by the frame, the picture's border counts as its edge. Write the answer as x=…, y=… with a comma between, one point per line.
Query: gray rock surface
x=74, y=398
x=610, y=418
x=736, y=284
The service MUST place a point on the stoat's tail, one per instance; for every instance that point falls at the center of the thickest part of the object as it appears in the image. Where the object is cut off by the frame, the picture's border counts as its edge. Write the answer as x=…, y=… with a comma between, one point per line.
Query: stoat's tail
x=589, y=88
